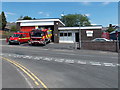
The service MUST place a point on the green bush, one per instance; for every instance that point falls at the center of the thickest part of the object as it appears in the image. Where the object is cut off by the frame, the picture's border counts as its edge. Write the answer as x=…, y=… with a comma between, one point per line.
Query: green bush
x=13, y=28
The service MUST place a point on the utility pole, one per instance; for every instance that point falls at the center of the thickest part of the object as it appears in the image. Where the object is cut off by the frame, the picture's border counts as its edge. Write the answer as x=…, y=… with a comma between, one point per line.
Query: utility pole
x=79, y=36
x=117, y=42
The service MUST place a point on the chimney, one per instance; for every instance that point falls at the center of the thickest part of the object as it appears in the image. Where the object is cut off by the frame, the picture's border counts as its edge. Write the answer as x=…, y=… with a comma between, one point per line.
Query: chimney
x=110, y=25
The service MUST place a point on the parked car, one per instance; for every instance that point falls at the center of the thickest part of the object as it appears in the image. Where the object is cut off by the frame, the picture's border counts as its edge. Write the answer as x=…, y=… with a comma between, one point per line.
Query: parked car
x=101, y=39
x=18, y=38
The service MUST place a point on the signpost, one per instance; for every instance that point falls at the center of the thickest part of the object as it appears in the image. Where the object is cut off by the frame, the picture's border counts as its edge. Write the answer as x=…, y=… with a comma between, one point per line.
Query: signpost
x=117, y=42
x=80, y=38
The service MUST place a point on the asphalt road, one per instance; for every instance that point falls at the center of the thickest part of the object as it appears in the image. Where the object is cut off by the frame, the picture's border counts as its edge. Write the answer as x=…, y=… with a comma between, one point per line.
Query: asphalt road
x=58, y=68
x=12, y=77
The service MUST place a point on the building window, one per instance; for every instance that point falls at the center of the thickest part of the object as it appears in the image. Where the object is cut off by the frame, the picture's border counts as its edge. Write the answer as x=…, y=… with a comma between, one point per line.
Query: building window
x=61, y=34
x=69, y=34
x=65, y=34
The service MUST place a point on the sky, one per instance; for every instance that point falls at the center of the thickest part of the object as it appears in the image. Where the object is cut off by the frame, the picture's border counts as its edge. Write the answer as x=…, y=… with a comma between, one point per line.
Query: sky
x=99, y=13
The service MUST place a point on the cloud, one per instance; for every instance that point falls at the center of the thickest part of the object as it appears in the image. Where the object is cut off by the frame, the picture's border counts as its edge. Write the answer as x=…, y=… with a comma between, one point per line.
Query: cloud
x=47, y=15
x=44, y=14
x=85, y=3
x=105, y=3
x=87, y=14
x=40, y=12
x=9, y=13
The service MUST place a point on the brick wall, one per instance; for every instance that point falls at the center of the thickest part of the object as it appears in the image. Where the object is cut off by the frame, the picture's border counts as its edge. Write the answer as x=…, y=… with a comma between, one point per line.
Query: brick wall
x=104, y=46
x=96, y=34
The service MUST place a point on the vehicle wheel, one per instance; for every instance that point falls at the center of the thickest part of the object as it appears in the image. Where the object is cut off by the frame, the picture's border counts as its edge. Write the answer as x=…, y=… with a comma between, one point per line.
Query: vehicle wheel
x=50, y=41
x=32, y=44
x=9, y=43
x=29, y=42
x=44, y=43
x=18, y=43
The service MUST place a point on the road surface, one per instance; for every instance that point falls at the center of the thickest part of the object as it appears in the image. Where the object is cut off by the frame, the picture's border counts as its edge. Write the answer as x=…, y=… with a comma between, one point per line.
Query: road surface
x=56, y=68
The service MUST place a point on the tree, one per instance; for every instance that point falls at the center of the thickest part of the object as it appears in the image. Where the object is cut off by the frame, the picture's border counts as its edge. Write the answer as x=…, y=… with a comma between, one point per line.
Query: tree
x=4, y=22
x=110, y=29
x=72, y=20
x=20, y=18
x=0, y=21
x=13, y=28
x=34, y=18
x=27, y=18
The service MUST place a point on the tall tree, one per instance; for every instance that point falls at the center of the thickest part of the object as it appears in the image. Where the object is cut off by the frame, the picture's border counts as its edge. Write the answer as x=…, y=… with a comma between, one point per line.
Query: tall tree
x=72, y=20
x=4, y=22
x=27, y=18
x=20, y=18
x=13, y=28
x=0, y=21
x=110, y=29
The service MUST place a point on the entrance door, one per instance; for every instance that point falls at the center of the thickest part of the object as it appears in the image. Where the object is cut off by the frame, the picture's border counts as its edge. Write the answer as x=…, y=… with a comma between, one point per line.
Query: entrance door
x=77, y=37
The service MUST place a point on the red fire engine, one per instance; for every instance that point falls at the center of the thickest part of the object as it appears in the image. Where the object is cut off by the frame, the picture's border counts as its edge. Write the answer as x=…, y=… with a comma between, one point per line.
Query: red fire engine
x=39, y=36
x=18, y=38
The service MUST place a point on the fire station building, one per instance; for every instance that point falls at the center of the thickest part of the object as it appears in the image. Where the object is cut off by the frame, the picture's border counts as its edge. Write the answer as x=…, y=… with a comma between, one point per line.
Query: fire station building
x=60, y=33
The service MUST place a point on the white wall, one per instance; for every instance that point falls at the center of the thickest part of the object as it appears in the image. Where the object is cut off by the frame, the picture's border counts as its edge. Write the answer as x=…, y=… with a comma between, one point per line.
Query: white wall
x=36, y=23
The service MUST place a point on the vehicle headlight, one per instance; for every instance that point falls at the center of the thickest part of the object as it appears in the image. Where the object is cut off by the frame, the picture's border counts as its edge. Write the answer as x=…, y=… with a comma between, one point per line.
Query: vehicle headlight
x=16, y=40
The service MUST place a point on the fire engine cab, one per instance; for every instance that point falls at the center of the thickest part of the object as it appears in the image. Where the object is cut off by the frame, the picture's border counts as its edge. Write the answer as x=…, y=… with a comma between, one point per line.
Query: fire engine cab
x=18, y=38
x=39, y=36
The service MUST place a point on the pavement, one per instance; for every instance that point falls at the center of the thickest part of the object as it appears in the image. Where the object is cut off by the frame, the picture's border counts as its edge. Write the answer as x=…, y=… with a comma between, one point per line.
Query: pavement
x=62, y=68
x=2, y=39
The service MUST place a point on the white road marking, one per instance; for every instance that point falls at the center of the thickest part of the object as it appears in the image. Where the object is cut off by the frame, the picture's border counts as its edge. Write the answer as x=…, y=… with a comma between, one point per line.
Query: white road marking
x=95, y=63
x=37, y=58
x=47, y=59
x=63, y=60
x=59, y=60
x=25, y=79
x=82, y=62
x=69, y=61
x=118, y=64
x=108, y=64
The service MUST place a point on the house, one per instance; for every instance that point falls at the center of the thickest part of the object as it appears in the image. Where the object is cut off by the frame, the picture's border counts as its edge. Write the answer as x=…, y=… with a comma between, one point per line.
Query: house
x=113, y=35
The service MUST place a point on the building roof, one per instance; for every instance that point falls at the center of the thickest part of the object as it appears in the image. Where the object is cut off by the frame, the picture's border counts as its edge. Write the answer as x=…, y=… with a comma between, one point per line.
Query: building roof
x=117, y=29
x=77, y=28
x=41, y=20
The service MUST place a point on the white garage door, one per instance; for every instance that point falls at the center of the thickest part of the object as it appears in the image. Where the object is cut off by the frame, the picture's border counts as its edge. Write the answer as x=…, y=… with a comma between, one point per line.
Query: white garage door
x=67, y=37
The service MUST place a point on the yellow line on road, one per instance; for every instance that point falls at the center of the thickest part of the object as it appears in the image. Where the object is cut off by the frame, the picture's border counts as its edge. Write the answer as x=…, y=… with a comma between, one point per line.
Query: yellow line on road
x=25, y=70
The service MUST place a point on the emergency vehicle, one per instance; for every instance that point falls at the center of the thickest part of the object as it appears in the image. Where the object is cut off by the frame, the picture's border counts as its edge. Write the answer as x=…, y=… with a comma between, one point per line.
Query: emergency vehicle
x=39, y=36
x=18, y=38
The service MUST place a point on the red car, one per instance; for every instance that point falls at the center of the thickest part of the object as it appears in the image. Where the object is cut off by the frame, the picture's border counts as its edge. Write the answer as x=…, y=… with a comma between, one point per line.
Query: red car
x=18, y=38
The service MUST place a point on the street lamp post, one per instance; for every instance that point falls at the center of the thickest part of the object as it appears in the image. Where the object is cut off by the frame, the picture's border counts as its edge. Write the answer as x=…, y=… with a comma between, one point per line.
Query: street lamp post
x=117, y=42
x=79, y=36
